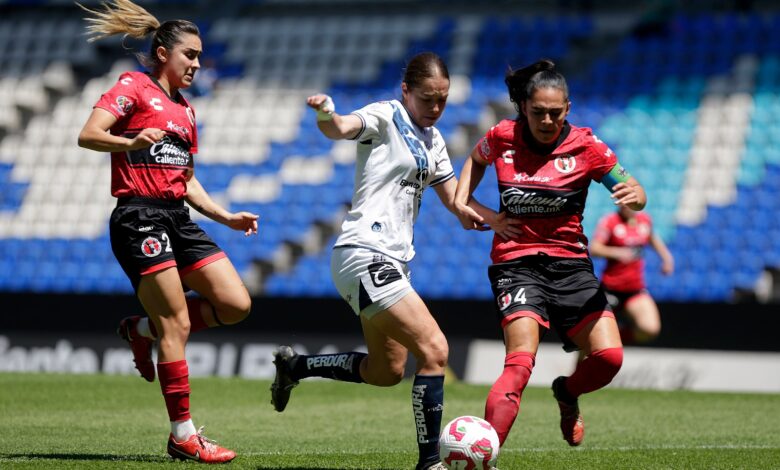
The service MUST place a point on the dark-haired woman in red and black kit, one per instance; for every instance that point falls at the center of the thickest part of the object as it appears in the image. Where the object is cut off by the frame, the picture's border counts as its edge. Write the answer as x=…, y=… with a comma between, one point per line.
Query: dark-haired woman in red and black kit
x=542, y=275
x=150, y=130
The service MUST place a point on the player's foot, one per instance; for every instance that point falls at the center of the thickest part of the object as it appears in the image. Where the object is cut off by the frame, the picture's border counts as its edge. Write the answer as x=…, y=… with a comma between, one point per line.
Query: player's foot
x=437, y=466
x=200, y=449
x=140, y=345
x=283, y=382
x=572, y=425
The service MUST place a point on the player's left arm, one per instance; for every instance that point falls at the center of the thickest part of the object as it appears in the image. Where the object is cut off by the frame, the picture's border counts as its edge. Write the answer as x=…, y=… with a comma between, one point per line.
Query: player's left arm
x=199, y=199
x=667, y=260
x=626, y=190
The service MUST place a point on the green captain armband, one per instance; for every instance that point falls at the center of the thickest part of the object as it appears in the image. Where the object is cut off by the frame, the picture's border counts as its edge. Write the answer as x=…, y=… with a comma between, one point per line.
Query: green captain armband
x=616, y=175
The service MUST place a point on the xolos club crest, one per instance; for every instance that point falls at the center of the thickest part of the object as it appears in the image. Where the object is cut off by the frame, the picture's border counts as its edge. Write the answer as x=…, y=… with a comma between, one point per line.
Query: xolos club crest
x=151, y=247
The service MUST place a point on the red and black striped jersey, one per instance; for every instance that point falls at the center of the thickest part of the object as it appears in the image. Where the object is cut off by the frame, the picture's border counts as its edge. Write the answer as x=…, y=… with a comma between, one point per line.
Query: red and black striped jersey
x=159, y=171
x=546, y=191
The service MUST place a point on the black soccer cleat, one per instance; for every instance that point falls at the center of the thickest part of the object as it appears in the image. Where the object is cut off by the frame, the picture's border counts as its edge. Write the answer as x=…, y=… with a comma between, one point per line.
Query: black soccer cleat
x=283, y=381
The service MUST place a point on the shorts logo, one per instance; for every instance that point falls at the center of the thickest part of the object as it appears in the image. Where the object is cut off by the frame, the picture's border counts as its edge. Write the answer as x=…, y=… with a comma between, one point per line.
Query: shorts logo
x=376, y=227
x=151, y=247
x=383, y=273
x=504, y=300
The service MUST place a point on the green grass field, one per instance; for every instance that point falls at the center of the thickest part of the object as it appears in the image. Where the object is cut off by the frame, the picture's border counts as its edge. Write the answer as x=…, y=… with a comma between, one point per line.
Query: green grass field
x=71, y=421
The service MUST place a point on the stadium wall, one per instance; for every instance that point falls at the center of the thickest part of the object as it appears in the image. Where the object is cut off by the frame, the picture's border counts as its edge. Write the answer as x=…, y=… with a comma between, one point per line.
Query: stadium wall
x=74, y=334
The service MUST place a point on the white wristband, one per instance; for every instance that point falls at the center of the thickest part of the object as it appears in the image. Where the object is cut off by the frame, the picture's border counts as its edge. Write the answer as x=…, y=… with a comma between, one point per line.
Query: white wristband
x=326, y=110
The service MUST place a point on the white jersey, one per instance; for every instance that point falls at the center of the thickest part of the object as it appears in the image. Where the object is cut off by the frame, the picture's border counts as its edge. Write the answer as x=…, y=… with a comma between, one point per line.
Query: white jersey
x=396, y=161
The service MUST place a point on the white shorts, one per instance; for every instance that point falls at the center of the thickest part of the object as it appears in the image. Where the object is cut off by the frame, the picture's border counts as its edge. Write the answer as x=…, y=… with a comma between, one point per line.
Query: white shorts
x=368, y=280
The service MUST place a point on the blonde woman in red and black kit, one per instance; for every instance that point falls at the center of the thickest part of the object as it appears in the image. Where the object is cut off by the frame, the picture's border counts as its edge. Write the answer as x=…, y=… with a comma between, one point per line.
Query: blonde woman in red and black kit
x=542, y=275
x=150, y=130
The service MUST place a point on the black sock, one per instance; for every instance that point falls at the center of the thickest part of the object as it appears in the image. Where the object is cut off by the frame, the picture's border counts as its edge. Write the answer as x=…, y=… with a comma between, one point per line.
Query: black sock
x=342, y=366
x=428, y=404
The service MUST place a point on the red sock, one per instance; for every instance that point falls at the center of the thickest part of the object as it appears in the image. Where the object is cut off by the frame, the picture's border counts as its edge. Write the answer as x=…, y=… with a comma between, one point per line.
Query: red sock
x=503, y=402
x=175, y=385
x=195, y=310
x=595, y=371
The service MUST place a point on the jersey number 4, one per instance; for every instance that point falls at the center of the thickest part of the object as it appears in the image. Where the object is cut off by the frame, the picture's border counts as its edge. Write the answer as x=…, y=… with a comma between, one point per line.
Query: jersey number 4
x=506, y=299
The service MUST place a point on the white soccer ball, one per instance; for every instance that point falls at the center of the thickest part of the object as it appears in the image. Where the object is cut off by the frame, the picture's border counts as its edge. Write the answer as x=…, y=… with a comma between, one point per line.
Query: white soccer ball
x=468, y=443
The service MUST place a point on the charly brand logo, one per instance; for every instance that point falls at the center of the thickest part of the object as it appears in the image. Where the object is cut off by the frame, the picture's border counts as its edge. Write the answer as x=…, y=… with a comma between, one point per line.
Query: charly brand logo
x=155, y=102
x=383, y=273
x=376, y=227
x=565, y=163
x=151, y=247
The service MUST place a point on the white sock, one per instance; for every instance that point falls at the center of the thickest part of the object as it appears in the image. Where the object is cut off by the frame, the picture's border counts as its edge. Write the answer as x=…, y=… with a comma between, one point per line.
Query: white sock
x=182, y=430
x=143, y=328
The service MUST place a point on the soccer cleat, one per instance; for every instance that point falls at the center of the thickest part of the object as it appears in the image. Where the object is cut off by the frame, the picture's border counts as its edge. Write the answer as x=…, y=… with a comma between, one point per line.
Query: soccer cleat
x=283, y=382
x=437, y=466
x=140, y=345
x=572, y=425
x=200, y=449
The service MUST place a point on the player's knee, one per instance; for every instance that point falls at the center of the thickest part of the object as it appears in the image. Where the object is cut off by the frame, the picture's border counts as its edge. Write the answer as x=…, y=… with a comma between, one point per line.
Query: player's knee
x=235, y=311
x=175, y=331
x=435, y=353
x=645, y=333
x=392, y=376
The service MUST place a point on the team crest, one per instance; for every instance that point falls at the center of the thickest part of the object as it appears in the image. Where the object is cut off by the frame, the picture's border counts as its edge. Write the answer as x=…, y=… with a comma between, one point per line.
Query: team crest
x=565, y=163
x=504, y=300
x=151, y=247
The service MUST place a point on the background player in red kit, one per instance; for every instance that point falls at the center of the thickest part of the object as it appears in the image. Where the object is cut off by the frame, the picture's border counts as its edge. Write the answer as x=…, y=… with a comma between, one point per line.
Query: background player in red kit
x=621, y=238
x=150, y=130
x=542, y=275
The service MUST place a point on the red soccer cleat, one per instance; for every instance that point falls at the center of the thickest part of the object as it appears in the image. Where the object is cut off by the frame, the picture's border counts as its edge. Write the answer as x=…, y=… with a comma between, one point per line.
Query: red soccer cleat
x=572, y=424
x=200, y=449
x=140, y=345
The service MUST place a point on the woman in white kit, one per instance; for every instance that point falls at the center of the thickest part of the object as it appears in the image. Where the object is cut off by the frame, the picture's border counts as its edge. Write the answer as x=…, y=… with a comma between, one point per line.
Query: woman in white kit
x=399, y=154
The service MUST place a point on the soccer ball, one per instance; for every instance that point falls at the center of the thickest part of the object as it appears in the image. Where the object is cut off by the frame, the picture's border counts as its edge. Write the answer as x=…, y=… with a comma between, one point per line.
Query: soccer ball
x=468, y=443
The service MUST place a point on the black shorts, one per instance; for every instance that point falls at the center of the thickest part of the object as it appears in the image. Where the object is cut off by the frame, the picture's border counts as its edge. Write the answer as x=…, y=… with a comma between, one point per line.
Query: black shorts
x=149, y=235
x=559, y=292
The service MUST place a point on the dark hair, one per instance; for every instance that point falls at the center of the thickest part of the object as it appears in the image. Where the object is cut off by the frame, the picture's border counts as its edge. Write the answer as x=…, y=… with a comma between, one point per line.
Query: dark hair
x=522, y=83
x=126, y=18
x=423, y=66
x=167, y=35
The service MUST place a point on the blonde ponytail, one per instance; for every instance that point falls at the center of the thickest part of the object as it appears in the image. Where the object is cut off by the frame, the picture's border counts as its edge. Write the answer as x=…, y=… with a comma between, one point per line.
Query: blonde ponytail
x=120, y=17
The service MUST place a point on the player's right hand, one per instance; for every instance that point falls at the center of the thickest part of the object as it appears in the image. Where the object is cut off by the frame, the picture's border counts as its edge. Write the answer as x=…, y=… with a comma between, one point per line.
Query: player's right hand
x=315, y=101
x=506, y=227
x=146, y=138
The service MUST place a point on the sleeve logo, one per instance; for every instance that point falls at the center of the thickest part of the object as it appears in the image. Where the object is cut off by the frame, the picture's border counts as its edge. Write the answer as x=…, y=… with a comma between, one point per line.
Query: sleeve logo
x=123, y=105
x=484, y=148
